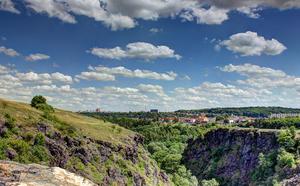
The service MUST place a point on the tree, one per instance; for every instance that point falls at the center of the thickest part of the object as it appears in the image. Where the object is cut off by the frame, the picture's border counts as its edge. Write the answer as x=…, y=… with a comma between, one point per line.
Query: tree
x=38, y=100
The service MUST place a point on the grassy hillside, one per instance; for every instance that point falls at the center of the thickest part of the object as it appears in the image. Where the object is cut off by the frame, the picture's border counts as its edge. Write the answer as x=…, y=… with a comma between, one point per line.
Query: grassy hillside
x=25, y=115
x=100, y=151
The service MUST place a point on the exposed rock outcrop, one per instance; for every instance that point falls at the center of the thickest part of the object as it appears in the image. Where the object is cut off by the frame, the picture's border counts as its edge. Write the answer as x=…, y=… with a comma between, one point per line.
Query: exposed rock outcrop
x=103, y=162
x=228, y=154
x=12, y=173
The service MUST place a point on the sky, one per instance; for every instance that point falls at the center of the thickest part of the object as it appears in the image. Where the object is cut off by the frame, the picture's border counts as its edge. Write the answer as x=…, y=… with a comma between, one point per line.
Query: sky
x=138, y=55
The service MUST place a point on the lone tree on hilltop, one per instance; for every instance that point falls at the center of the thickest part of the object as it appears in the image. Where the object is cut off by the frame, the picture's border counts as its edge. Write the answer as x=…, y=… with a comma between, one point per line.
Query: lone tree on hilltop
x=40, y=102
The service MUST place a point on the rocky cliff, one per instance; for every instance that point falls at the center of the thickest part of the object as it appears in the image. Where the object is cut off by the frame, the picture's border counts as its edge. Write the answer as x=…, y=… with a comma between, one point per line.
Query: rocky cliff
x=230, y=155
x=99, y=151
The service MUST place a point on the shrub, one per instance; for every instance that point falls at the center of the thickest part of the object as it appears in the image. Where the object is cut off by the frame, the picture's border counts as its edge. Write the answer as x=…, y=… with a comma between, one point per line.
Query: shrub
x=285, y=158
x=265, y=167
x=40, y=102
x=40, y=154
x=286, y=139
x=39, y=139
x=37, y=100
x=212, y=182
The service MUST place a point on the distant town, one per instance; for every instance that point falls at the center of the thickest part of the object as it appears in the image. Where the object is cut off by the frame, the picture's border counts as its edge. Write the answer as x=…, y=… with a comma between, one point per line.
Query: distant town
x=206, y=116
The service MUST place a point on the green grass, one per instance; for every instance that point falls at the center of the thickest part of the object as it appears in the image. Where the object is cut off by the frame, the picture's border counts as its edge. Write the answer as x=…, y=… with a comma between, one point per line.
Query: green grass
x=26, y=116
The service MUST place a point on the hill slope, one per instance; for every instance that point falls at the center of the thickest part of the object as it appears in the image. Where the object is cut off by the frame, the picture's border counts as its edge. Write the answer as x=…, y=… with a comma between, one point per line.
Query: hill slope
x=100, y=151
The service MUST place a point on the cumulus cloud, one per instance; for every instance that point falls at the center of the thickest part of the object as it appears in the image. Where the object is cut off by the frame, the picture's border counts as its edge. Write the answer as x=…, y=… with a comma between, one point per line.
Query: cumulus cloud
x=3, y=69
x=118, y=15
x=102, y=73
x=9, y=51
x=263, y=77
x=8, y=5
x=66, y=9
x=44, y=78
x=211, y=16
x=255, y=86
x=231, y=4
x=139, y=50
x=251, y=44
x=37, y=57
x=96, y=76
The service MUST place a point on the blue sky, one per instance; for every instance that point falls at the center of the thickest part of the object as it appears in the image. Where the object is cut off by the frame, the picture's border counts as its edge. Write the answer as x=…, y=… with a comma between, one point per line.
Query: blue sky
x=174, y=55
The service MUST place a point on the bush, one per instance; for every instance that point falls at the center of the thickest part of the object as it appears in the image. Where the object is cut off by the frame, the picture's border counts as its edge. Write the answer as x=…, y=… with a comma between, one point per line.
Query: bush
x=40, y=102
x=40, y=154
x=285, y=158
x=37, y=100
x=286, y=139
x=39, y=139
x=265, y=168
x=212, y=182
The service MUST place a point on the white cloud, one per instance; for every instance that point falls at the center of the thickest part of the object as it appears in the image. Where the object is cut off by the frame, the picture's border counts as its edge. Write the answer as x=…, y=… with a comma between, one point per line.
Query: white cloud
x=232, y=4
x=8, y=5
x=52, y=9
x=57, y=76
x=155, y=30
x=44, y=78
x=4, y=69
x=251, y=70
x=37, y=57
x=263, y=77
x=102, y=73
x=96, y=76
x=64, y=10
x=9, y=51
x=149, y=88
x=256, y=86
x=209, y=16
x=139, y=50
x=118, y=15
x=251, y=44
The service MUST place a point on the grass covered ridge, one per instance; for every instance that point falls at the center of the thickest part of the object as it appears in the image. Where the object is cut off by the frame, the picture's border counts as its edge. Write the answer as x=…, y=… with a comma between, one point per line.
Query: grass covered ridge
x=26, y=116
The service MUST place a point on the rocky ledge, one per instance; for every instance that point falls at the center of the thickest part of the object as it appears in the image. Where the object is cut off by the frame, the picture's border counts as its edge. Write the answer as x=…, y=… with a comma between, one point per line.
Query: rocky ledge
x=12, y=173
x=230, y=155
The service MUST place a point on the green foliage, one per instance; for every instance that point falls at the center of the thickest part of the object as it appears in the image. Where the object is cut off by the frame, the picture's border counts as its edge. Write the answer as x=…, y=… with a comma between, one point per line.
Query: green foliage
x=265, y=168
x=212, y=182
x=37, y=100
x=39, y=139
x=40, y=102
x=9, y=121
x=276, y=123
x=286, y=139
x=286, y=159
x=40, y=153
x=166, y=144
x=243, y=111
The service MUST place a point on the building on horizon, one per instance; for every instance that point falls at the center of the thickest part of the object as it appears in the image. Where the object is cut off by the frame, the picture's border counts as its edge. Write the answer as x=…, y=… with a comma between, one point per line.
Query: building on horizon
x=154, y=110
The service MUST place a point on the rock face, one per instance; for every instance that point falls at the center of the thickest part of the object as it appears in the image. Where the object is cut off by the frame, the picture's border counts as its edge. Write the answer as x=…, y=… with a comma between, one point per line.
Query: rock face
x=12, y=173
x=228, y=154
x=102, y=162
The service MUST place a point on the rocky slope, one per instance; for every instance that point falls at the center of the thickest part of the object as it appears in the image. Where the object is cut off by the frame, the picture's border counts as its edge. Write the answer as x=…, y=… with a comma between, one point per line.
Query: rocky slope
x=229, y=155
x=99, y=151
x=12, y=173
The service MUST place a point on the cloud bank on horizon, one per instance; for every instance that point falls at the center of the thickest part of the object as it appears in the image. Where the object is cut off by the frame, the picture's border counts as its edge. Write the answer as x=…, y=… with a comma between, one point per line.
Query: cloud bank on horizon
x=166, y=54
